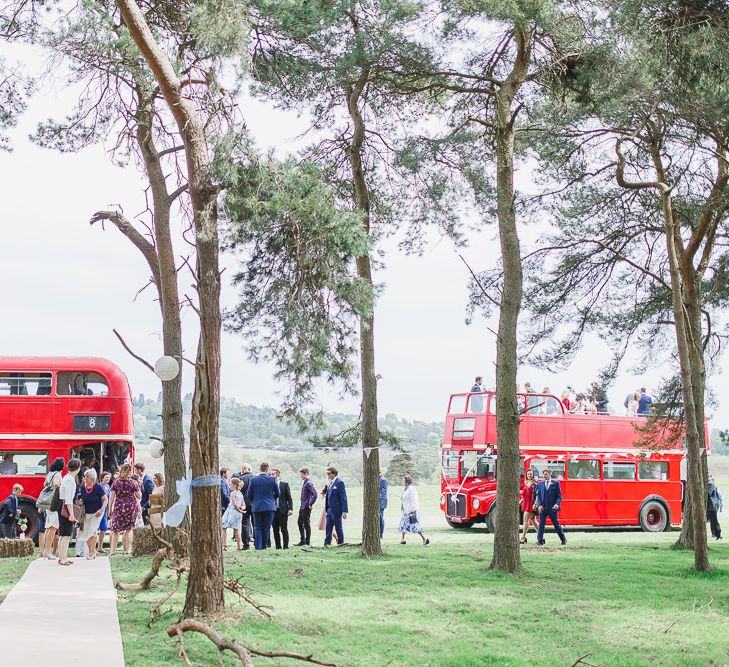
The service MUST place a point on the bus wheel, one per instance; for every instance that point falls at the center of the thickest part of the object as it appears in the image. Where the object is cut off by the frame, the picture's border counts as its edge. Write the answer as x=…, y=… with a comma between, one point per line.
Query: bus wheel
x=27, y=510
x=653, y=517
x=459, y=526
x=491, y=519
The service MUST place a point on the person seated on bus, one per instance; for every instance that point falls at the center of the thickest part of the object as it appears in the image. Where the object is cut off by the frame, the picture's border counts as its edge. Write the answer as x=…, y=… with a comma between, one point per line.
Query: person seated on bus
x=79, y=387
x=44, y=387
x=8, y=466
x=578, y=407
x=489, y=450
x=17, y=385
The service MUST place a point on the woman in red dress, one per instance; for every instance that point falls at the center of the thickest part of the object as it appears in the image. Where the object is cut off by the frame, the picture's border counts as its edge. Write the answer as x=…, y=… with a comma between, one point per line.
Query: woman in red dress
x=528, y=496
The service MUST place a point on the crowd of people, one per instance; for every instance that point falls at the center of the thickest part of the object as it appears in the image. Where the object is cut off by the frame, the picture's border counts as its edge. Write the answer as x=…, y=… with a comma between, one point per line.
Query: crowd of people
x=592, y=401
x=88, y=505
x=253, y=506
x=93, y=505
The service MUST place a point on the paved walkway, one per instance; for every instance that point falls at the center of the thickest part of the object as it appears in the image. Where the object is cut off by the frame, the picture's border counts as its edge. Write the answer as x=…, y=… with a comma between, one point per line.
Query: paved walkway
x=62, y=616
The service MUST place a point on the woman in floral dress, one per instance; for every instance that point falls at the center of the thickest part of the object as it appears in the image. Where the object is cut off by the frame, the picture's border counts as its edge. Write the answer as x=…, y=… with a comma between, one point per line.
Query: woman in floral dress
x=123, y=508
x=410, y=520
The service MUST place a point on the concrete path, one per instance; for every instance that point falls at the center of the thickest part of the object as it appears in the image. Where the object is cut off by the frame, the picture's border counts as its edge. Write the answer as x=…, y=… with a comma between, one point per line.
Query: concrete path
x=63, y=616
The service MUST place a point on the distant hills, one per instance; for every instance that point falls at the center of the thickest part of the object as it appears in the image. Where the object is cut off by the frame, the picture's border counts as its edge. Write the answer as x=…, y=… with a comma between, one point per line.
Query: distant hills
x=251, y=434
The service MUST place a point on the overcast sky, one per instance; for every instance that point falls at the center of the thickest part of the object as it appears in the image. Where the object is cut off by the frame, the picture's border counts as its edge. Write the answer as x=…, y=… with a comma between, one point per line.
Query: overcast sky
x=67, y=285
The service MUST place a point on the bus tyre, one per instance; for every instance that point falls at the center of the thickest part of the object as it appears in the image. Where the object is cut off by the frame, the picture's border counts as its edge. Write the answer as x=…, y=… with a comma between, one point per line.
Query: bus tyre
x=491, y=519
x=28, y=510
x=653, y=516
x=459, y=526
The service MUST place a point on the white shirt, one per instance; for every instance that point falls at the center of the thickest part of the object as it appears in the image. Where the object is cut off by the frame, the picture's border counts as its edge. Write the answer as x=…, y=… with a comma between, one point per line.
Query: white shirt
x=68, y=489
x=410, y=499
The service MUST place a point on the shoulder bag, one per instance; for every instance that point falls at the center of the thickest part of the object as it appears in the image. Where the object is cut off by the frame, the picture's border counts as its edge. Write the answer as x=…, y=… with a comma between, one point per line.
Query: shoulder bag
x=76, y=512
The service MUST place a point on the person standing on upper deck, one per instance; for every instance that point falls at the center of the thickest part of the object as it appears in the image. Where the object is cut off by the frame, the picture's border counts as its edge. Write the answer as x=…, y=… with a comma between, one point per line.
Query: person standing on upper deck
x=644, y=402
x=476, y=402
x=549, y=500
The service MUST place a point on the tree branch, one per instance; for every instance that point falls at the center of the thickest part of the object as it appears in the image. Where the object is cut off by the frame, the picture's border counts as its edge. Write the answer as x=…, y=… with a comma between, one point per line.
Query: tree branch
x=132, y=233
x=128, y=349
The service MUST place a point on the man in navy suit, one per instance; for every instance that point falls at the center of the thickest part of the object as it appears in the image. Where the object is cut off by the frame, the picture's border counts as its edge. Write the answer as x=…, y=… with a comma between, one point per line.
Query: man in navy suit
x=549, y=499
x=337, y=507
x=261, y=498
x=9, y=512
x=146, y=487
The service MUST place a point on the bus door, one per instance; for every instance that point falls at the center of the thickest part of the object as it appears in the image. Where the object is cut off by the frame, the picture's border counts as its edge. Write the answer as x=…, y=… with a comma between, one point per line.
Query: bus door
x=619, y=492
x=582, y=492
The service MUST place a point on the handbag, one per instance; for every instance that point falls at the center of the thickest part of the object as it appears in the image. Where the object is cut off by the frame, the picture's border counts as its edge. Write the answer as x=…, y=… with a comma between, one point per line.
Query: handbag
x=76, y=512
x=47, y=494
x=413, y=517
x=56, y=500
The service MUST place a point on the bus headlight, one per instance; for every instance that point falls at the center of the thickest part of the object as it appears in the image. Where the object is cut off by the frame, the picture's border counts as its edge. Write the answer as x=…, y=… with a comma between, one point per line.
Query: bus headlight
x=476, y=503
x=442, y=499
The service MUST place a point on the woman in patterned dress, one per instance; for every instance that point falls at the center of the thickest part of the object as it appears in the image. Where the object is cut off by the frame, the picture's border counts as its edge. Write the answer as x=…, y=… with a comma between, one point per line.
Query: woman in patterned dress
x=123, y=508
x=410, y=520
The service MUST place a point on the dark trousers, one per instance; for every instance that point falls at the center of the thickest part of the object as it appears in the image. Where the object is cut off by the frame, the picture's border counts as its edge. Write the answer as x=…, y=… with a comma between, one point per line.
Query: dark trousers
x=245, y=530
x=554, y=518
x=281, y=529
x=382, y=521
x=7, y=529
x=262, y=529
x=334, y=521
x=714, y=523
x=304, y=524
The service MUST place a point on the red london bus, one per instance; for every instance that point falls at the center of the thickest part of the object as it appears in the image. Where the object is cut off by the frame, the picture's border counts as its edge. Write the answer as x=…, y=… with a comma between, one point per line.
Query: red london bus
x=59, y=406
x=606, y=479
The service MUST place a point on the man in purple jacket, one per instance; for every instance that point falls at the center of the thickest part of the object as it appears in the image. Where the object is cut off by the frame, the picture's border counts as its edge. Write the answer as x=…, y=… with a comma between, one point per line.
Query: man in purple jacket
x=308, y=498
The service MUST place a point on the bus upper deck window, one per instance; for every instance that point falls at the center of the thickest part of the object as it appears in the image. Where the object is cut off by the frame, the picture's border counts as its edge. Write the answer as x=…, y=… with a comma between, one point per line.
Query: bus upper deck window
x=20, y=383
x=81, y=383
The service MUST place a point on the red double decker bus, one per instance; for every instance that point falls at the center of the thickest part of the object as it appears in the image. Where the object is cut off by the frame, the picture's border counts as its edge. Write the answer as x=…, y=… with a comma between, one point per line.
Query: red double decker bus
x=60, y=406
x=606, y=479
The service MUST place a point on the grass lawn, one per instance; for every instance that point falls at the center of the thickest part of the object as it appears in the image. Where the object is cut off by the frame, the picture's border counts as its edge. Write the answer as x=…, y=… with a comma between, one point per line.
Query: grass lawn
x=11, y=569
x=625, y=597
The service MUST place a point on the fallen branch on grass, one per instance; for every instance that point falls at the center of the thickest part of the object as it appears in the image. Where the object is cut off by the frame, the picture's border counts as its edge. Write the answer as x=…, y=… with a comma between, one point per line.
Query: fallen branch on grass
x=685, y=616
x=245, y=653
x=156, y=612
x=582, y=661
x=146, y=583
x=167, y=550
x=235, y=586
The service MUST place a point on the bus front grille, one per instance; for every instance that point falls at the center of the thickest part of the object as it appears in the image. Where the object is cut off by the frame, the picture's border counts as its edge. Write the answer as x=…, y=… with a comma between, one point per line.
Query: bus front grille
x=457, y=505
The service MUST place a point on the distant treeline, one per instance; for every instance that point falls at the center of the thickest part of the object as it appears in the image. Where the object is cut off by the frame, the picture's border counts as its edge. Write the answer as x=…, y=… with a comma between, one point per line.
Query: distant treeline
x=249, y=433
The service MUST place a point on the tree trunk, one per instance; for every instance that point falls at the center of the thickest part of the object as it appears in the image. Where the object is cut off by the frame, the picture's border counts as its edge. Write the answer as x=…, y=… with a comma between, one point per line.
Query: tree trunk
x=371, y=545
x=696, y=494
x=698, y=382
x=370, y=463
x=205, y=586
x=506, y=555
x=173, y=433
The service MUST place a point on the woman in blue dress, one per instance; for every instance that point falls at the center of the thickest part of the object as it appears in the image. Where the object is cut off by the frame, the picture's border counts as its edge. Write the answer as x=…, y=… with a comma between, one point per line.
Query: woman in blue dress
x=104, y=525
x=233, y=515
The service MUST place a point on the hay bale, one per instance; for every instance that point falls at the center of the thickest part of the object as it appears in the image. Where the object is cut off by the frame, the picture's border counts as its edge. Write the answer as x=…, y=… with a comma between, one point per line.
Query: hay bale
x=144, y=544
x=18, y=548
